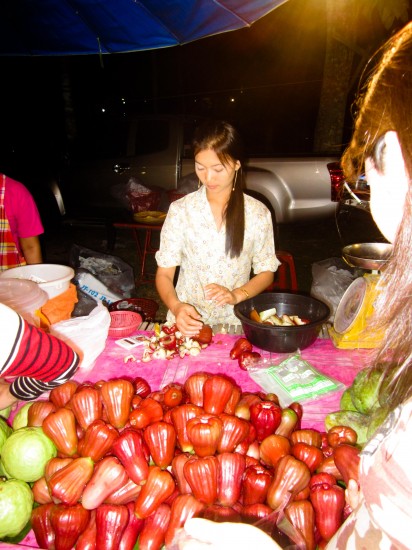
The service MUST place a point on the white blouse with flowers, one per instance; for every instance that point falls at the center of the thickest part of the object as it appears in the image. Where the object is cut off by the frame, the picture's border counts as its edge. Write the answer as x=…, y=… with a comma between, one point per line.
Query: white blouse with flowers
x=190, y=239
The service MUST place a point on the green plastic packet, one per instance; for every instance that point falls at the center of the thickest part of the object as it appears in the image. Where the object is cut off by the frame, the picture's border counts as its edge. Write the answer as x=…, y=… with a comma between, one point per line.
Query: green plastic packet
x=293, y=380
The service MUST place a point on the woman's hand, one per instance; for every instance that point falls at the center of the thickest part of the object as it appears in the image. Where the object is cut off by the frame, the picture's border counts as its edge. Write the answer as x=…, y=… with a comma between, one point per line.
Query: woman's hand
x=6, y=398
x=352, y=494
x=219, y=294
x=188, y=320
x=201, y=533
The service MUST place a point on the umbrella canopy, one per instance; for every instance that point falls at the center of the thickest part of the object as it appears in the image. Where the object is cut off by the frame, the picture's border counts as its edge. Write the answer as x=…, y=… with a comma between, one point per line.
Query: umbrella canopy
x=72, y=27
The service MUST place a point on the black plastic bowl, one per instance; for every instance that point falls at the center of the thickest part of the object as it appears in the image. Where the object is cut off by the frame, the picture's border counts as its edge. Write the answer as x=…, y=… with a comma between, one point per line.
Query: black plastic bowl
x=283, y=339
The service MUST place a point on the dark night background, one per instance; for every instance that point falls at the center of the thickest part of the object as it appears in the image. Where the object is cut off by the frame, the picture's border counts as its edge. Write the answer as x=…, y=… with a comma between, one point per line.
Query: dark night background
x=266, y=79
x=265, y=72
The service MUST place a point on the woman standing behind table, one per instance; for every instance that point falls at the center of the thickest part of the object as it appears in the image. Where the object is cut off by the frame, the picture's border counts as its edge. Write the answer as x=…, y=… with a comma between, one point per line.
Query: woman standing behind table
x=217, y=235
x=382, y=145
x=20, y=225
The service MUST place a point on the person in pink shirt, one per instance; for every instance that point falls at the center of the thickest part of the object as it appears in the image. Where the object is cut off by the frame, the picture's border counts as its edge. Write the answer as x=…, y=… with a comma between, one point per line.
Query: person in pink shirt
x=20, y=225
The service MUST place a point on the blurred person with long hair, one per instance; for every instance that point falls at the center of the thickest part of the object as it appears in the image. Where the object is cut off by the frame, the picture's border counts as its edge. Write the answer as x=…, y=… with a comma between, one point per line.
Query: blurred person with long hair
x=381, y=147
x=217, y=236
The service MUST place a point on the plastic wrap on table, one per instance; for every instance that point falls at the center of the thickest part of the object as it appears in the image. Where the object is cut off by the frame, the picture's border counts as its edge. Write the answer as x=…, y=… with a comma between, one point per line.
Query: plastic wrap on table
x=293, y=380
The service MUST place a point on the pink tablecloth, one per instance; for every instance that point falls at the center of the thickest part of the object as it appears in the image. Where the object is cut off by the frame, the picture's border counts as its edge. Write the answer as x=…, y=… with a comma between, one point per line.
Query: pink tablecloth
x=342, y=365
x=339, y=364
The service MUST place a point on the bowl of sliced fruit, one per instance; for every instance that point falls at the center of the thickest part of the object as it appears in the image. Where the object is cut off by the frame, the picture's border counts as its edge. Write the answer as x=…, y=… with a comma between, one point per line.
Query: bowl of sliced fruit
x=282, y=322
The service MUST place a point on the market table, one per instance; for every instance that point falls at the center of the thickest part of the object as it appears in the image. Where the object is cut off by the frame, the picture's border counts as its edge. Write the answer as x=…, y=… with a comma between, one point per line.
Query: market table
x=339, y=364
x=115, y=362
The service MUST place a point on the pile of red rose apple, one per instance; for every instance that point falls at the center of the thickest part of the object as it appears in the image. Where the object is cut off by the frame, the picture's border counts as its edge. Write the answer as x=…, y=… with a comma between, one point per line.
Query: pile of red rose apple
x=134, y=464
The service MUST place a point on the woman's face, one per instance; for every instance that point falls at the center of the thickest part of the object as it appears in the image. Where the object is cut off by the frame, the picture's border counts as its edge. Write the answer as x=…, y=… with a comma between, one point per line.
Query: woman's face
x=215, y=176
x=388, y=188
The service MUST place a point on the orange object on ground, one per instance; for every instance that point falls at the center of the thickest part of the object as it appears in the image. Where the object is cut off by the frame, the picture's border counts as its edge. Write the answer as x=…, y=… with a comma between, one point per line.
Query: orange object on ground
x=59, y=308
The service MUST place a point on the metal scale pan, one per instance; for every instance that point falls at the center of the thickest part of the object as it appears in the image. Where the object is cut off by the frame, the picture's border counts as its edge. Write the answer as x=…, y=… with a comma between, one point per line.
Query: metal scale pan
x=370, y=256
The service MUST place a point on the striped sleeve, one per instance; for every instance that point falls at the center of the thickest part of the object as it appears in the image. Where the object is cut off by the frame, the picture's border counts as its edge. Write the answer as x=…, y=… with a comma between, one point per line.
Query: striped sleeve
x=36, y=361
x=27, y=389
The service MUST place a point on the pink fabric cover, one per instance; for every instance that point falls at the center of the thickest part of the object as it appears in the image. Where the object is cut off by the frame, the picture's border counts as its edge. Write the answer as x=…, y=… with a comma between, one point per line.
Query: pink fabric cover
x=343, y=365
x=339, y=364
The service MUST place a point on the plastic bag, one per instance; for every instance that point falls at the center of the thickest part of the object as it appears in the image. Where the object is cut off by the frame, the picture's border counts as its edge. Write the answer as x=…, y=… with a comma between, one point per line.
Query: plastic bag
x=86, y=335
x=331, y=278
x=94, y=288
x=114, y=276
x=293, y=379
x=141, y=198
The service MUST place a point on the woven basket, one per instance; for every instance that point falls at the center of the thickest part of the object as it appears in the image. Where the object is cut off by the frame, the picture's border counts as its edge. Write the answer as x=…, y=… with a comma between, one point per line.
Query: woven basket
x=146, y=307
x=123, y=323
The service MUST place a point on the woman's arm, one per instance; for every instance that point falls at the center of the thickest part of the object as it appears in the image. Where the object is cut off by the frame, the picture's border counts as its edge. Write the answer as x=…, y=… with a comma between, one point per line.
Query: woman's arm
x=187, y=318
x=222, y=295
x=31, y=249
x=31, y=360
x=255, y=286
x=165, y=287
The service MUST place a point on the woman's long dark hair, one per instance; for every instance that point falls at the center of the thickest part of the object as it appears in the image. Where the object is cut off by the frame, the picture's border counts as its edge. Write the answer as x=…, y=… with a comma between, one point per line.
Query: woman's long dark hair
x=222, y=138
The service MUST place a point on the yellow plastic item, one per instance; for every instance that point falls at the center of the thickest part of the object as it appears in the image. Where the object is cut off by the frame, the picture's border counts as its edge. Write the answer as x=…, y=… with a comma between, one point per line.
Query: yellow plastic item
x=355, y=336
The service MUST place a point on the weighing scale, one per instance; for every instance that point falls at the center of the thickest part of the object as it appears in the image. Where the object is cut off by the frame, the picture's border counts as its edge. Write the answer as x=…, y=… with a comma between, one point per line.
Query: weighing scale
x=357, y=303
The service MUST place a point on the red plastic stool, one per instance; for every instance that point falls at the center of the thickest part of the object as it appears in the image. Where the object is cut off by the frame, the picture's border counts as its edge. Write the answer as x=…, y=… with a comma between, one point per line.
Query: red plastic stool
x=285, y=276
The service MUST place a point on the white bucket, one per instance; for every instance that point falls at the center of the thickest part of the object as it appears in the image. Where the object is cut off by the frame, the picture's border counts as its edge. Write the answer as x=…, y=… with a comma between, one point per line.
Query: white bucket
x=54, y=279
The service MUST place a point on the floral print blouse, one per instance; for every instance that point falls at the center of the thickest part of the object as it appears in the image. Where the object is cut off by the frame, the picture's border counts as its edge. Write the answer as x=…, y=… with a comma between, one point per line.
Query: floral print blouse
x=190, y=239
